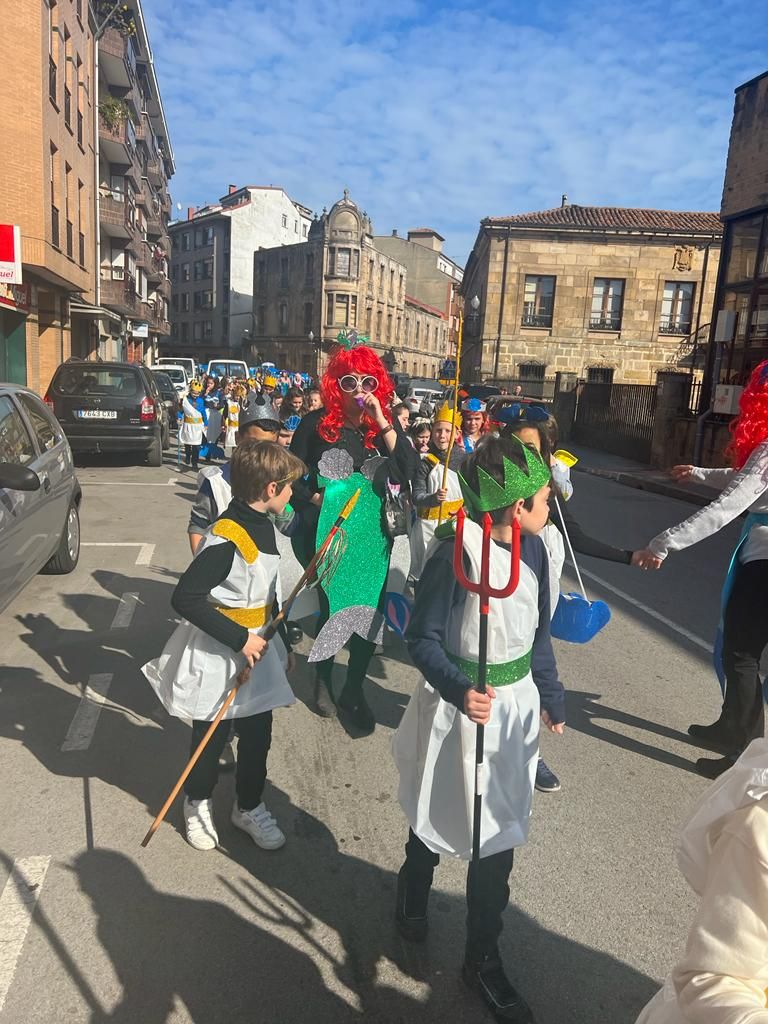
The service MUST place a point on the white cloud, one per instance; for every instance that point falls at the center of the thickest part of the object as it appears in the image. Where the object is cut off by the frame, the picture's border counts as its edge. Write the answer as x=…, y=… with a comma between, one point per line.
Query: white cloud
x=444, y=116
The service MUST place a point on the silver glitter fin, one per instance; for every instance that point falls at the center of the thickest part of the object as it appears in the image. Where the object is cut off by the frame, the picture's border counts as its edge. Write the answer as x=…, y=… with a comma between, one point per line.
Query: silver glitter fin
x=371, y=466
x=367, y=622
x=336, y=464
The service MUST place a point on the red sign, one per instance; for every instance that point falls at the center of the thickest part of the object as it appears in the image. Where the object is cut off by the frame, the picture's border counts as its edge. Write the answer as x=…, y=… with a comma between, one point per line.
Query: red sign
x=17, y=296
x=10, y=254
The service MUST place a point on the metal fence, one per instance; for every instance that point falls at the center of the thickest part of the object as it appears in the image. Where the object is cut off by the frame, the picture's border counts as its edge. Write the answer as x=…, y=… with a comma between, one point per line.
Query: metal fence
x=617, y=418
x=543, y=387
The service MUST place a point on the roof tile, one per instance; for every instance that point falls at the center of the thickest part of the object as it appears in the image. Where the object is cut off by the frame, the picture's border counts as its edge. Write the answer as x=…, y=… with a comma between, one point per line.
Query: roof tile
x=615, y=217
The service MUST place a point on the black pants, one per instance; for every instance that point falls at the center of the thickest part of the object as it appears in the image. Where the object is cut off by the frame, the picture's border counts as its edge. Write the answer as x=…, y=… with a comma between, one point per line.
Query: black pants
x=254, y=736
x=487, y=893
x=192, y=452
x=745, y=635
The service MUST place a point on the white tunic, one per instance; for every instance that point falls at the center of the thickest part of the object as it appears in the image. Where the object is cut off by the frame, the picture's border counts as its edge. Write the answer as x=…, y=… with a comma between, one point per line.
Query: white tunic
x=434, y=746
x=233, y=419
x=195, y=672
x=553, y=542
x=192, y=427
x=426, y=523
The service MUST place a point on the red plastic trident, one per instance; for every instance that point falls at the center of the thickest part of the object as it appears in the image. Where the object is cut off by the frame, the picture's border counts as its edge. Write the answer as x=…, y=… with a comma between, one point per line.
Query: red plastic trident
x=485, y=592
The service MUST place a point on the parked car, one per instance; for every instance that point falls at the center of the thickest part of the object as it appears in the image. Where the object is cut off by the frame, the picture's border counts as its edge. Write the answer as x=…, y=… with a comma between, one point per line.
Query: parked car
x=179, y=377
x=39, y=493
x=188, y=363
x=168, y=395
x=109, y=407
x=227, y=368
x=423, y=399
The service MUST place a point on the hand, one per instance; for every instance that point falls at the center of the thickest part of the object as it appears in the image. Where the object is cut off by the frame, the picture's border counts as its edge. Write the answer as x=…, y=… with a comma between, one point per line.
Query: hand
x=291, y=663
x=559, y=728
x=254, y=648
x=477, y=706
x=646, y=559
x=682, y=473
x=441, y=494
x=372, y=406
x=317, y=499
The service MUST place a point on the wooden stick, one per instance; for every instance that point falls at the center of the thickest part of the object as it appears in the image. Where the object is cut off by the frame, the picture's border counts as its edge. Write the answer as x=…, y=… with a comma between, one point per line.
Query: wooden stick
x=269, y=632
x=459, y=341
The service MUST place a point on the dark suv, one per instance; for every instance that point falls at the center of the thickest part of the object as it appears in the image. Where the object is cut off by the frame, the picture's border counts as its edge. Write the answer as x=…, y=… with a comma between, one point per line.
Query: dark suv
x=109, y=407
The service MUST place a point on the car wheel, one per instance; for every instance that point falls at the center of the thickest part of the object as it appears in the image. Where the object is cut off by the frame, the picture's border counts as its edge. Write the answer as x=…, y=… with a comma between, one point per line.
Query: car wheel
x=166, y=437
x=68, y=551
x=155, y=453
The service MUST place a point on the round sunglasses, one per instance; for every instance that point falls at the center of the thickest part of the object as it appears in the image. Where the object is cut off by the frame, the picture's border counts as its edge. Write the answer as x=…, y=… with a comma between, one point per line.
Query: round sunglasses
x=349, y=384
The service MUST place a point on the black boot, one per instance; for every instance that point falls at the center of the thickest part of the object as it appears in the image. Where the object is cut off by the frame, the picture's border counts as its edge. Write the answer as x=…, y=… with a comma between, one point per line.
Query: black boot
x=716, y=736
x=355, y=707
x=410, y=910
x=713, y=767
x=486, y=977
x=324, y=703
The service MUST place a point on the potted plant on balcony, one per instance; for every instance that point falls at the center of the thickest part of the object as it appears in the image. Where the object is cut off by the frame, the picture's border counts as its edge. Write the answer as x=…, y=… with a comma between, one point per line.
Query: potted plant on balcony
x=116, y=15
x=113, y=112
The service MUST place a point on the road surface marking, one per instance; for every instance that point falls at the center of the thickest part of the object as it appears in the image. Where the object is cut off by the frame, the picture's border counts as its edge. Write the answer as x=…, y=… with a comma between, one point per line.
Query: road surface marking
x=126, y=483
x=680, y=630
x=83, y=725
x=17, y=904
x=144, y=557
x=125, y=611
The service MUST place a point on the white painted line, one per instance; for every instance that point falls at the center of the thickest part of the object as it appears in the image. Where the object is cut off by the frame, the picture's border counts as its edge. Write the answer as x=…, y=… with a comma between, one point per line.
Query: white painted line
x=125, y=483
x=83, y=724
x=125, y=611
x=17, y=903
x=144, y=557
x=680, y=630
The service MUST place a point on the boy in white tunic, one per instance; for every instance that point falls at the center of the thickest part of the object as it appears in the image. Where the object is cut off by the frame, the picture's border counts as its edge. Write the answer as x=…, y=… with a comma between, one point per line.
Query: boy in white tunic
x=226, y=595
x=434, y=745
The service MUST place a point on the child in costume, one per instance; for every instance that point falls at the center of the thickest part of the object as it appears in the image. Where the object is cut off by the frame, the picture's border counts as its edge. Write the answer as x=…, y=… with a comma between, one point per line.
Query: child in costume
x=723, y=854
x=420, y=434
x=472, y=422
x=226, y=595
x=429, y=495
x=193, y=424
x=231, y=419
x=434, y=744
x=744, y=633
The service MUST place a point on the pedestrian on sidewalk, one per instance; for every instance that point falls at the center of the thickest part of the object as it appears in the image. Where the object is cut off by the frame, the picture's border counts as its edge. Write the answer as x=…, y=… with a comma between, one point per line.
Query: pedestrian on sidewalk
x=744, y=631
x=434, y=744
x=193, y=424
x=226, y=595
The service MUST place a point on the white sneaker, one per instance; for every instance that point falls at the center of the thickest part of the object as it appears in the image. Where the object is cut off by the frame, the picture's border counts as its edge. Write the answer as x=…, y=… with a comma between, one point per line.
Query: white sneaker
x=260, y=826
x=201, y=832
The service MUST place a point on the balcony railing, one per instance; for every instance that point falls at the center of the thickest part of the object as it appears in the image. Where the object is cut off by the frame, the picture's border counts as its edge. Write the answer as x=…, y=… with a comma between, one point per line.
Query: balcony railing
x=55, y=225
x=605, y=323
x=674, y=325
x=537, y=320
x=52, y=79
x=70, y=238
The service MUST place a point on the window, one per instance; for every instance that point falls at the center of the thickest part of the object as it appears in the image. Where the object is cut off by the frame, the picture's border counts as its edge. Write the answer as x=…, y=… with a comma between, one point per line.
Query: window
x=68, y=209
x=197, y=330
x=309, y=268
x=175, y=302
x=175, y=243
x=379, y=317
x=304, y=230
x=296, y=227
x=340, y=262
x=207, y=268
x=389, y=328
x=53, y=53
x=207, y=328
x=382, y=271
x=418, y=329
x=744, y=242
x=15, y=442
x=391, y=282
x=54, y=187
x=345, y=311
x=607, y=300
x=198, y=269
x=44, y=426
x=185, y=331
x=285, y=220
x=185, y=271
x=308, y=311
x=175, y=272
x=600, y=375
x=184, y=300
x=186, y=242
x=676, y=307
x=283, y=317
x=532, y=371
x=539, y=300
x=284, y=272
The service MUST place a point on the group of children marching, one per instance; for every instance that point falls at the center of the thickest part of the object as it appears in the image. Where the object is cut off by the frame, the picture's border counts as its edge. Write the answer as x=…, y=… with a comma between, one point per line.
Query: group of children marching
x=231, y=590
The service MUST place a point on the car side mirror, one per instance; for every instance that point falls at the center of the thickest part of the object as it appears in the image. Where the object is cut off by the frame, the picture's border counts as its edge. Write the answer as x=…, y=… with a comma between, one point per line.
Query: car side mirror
x=18, y=478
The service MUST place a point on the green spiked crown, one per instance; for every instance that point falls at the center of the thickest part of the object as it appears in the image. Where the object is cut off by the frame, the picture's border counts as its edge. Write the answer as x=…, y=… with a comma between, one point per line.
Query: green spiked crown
x=518, y=483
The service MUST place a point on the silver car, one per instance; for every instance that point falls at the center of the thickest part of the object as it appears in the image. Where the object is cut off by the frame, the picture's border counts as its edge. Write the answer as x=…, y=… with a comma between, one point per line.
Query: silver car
x=39, y=493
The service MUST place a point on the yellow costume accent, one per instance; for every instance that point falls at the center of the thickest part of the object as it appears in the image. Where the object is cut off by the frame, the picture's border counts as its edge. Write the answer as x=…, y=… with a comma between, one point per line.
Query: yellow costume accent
x=230, y=530
x=450, y=508
x=447, y=414
x=251, y=618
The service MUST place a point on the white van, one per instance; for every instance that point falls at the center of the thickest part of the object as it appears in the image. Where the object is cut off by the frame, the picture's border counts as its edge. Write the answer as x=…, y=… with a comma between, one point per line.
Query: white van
x=178, y=375
x=187, y=362
x=228, y=368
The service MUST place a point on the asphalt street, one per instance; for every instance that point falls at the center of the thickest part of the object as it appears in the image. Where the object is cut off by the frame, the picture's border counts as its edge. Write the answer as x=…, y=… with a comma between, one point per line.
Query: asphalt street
x=93, y=928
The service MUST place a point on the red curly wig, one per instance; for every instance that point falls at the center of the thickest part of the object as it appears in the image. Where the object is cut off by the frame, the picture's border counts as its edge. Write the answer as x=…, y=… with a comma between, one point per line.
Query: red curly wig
x=750, y=428
x=360, y=361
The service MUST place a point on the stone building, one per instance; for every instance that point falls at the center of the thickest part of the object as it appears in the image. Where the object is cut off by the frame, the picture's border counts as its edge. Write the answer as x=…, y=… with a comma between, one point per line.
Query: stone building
x=134, y=165
x=742, y=287
x=603, y=292
x=305, y=294
x=47, y=184
x=212, y=266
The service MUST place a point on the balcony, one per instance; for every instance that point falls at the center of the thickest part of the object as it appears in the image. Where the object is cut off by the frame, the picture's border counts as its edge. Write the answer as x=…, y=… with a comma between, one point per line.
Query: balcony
x=113, y=214
x=155, y=225
x=115, y=58
x=118, y=293
x=155, y=171
x=536, y=320
x=674, y=325
x=117, y=138
x=605, y=323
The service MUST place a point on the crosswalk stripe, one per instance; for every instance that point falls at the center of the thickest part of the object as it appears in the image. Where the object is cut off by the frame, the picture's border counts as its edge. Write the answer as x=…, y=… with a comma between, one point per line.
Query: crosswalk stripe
x=17, y=903
x=83, y=724
x=125, y=611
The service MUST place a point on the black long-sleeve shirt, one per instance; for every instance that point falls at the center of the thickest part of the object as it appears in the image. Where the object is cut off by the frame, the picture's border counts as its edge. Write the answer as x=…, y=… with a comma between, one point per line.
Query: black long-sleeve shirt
x=191, y=598
x=439, y=593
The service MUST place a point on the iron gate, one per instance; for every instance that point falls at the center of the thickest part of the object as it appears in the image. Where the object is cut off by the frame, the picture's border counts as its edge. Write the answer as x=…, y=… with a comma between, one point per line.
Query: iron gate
x=617, y=418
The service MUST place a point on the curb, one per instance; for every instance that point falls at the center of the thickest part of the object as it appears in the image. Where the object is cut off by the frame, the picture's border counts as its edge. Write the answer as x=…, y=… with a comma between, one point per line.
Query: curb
x=643, y=483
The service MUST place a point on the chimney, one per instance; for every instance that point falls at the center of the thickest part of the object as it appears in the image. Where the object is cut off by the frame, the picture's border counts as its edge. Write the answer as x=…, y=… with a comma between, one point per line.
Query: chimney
x=232, y=188
x=394, y=232
x=564, y=200
x=190, y=212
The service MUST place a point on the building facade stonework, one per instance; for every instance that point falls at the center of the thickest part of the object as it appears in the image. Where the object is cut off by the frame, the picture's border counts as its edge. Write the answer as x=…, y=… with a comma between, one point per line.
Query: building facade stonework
x=305, y=294
x=602, y=292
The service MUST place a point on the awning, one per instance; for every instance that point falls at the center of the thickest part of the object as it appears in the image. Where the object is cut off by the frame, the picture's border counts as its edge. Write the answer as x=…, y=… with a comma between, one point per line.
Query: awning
x=86, y=309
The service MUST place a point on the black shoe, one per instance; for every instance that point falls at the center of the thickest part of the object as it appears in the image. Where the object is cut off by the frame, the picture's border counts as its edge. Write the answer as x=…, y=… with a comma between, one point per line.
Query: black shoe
x=714, y=736
x=324, y=704
x=487, y=978
x=295, y=633
x=412, y=929
x=546, y=780
x=355, y=707
x=713, y=767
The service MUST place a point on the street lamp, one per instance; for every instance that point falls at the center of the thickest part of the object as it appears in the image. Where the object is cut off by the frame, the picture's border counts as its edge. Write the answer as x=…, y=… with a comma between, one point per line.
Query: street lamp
x=316, y=360
x=473, y=322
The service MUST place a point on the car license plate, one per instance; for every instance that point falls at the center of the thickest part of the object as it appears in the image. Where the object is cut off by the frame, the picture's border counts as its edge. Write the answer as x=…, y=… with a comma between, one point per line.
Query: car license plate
x=97, y=414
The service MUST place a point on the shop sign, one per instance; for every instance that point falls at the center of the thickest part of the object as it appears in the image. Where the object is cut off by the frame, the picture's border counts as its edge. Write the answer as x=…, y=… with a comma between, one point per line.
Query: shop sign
x=10, y=254
x=139, y=329
x=17, y=296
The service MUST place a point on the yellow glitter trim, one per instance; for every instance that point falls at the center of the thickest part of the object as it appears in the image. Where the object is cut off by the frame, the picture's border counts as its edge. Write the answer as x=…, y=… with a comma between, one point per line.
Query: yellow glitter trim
x=450, y=508
x=251, y=618
x=230, y=530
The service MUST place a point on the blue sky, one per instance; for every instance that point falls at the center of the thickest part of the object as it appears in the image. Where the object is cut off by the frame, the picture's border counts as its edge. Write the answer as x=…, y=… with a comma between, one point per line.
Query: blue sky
x=440, y=114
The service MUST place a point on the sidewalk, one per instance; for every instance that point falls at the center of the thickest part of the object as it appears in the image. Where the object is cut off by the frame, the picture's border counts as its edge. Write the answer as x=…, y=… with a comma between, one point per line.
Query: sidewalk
x=636, y=474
